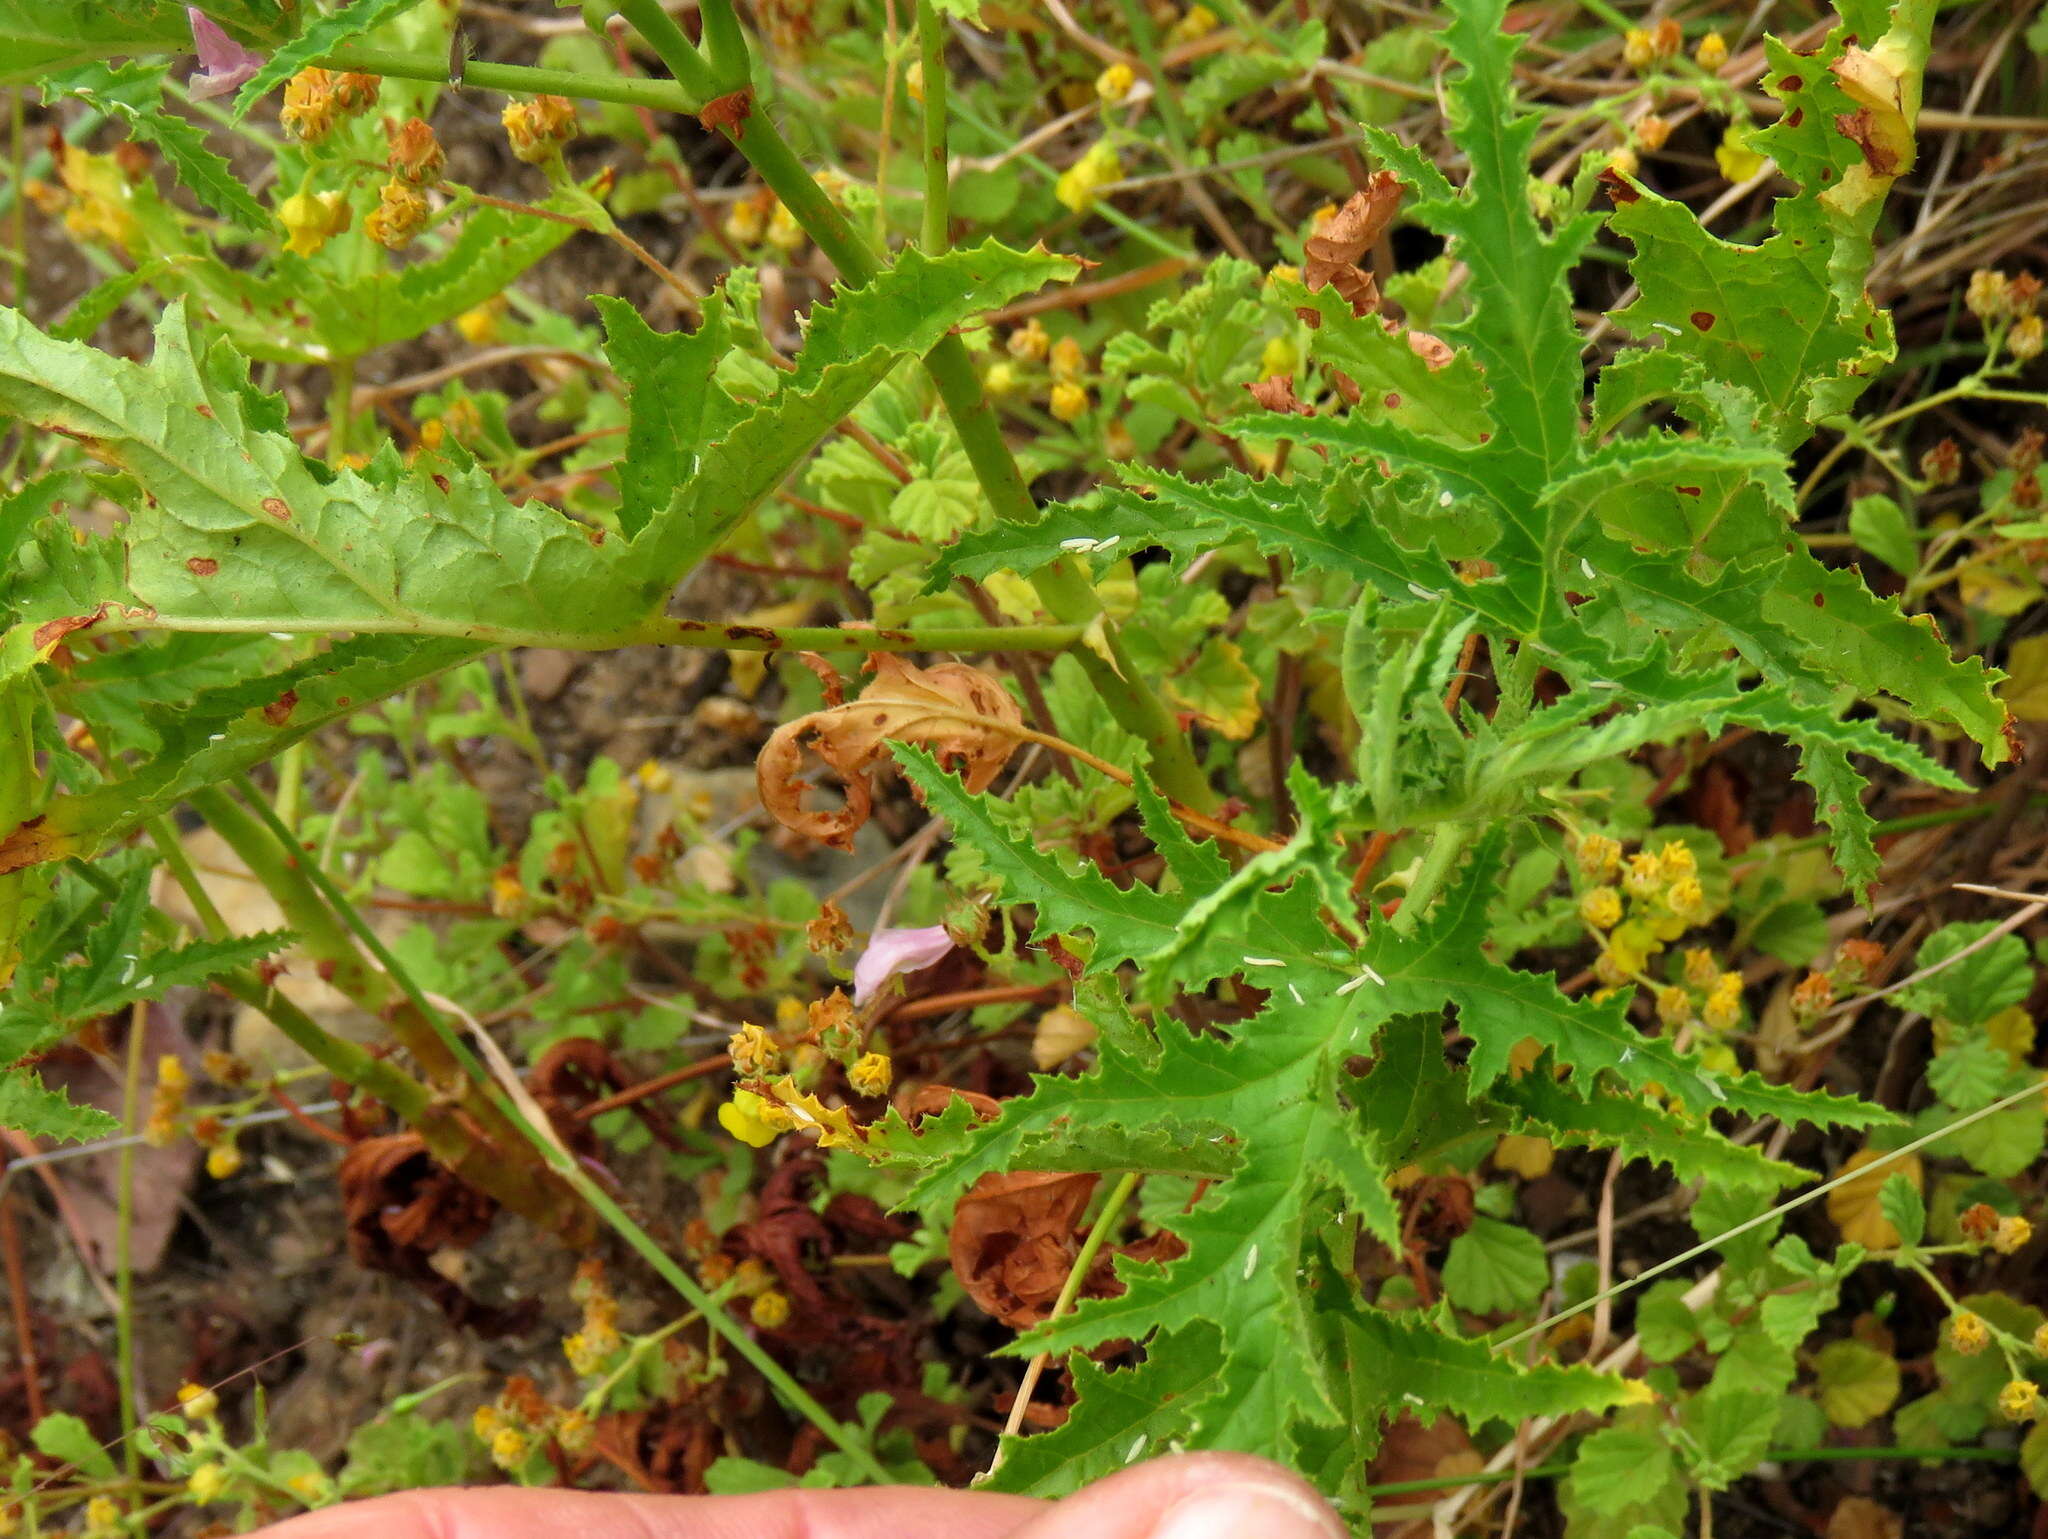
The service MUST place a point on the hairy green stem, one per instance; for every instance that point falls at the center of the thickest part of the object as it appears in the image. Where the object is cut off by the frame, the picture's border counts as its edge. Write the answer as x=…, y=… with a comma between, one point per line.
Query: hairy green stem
x=522, y=79
x=124, y=1238
x=938, y=190
x=484, y=1152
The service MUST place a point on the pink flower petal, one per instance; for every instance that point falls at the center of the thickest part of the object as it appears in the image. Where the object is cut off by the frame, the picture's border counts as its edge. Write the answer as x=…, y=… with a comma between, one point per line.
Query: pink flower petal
x=897, y=951
x=223, y=63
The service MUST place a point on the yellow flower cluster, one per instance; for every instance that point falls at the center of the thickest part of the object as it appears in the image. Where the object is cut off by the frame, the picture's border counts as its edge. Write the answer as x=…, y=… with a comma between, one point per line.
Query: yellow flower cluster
x=538, y=129
x=167, y=1102
x=1967, y=1333
x=311, y=219
x=315, y=100
x=592, y=1347
x=1638, y=903
x=1098, y=166
x=401, y=213
x=2020, y=1400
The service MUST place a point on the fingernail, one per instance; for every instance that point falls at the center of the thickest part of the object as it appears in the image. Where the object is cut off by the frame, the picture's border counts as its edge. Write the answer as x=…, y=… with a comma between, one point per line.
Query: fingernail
x=1247, y=1512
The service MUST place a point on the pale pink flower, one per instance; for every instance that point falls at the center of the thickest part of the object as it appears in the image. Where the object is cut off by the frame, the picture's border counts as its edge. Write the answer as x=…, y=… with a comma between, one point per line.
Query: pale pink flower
x=223, y=63
x=897, y=951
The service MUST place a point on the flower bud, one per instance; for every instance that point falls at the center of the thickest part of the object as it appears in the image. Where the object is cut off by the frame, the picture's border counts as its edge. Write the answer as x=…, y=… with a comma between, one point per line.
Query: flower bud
x=871, y=1074
x=1114, y=83
x=1029, y=343
x=416, y=155
x=1069, y=401
x=1712, y=51
x=401, y=213
x=1601, y=908
x=1967, y=1333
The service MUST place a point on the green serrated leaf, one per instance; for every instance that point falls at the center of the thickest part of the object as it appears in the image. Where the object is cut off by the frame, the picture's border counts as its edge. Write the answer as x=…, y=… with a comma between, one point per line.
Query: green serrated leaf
x=1495, y=1268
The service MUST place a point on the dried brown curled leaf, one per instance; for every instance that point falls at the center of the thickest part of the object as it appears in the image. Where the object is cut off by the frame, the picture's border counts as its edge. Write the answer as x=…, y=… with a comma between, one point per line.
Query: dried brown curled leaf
x=1332, y=253
x=1277, y=394
x=963, y=715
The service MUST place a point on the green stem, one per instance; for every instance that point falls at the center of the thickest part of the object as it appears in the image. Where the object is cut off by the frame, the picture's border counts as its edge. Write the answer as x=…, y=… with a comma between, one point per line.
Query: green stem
x=484, y=1154
x=931, y=40
x=520, y=79
x=341, y=406
x=1438, y=862
x=124, y=1240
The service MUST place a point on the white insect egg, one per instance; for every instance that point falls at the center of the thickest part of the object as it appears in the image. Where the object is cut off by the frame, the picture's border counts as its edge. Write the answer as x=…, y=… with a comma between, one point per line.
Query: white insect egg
x=1251, y=1262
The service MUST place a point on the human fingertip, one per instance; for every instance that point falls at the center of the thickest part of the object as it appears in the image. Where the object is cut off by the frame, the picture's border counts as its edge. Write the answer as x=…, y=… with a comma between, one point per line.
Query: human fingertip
x=1247, y=1509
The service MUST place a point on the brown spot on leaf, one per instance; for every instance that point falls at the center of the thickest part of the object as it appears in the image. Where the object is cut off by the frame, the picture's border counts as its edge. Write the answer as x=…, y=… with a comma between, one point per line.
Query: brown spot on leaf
x=1393, y=400
x=1703, y=319
x=203, y=409
x=1688, y=491
x=32, y=844
x=50, y=632
x=1795, y=117
x=279, y=711
x=1277, y=394
x=278, y=509
x=1792, y=83
x=1619, y=188
x=201, y=566
x=1434, y=352
x=1861, y=128
x=1820, y=601
x=1309, y=316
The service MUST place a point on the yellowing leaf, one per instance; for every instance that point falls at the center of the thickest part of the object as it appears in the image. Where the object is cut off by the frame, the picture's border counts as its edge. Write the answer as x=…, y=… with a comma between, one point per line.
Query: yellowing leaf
x=1522, y=1155
x=1858, y=1383
x=1854, y=1204
x=2011, y=1031
x=2025, y=690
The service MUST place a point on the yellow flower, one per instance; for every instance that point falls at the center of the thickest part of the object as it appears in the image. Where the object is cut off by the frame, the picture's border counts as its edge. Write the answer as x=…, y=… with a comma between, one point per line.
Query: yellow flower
x=401, y=213
x=102, y=1513
x=310, y=1487
x=1685, y=897
x=1701, y=970
x=1097, y=167
x=871, y=1074
x=1712, y=51
x=1677, y=859
x=913, y=80
x=770, y=1310
x=1030, y=342
x=575, y=1431
x=538, y=129
x=1196, y=23
x=802, y=1110
x=207, y=1483
x=1989, y=295
x=223, y=1160
x=2024, y=340
x=1068, y=361
x=479, y=326
x=1599, y=857
x=1631, y=945
x=2020, y=1400
x=1001, y=379
x=310, y=110
x=754, y=1053
x=1115, y=83
x=197, y=1401
x=485, y=1421
x=743, y=1117
x=1645, y=875
x=1601, y=908
x=2012, y=1234
x=1638, y=50
x=509, y=1448
x=1069, y=401
x=170, y=1072
x=784, y=233
x=1737, y=160
x=1278, y=359
x=1674, y=1006
x=1967, y=1333
x=1652, y=131
x=746, y=222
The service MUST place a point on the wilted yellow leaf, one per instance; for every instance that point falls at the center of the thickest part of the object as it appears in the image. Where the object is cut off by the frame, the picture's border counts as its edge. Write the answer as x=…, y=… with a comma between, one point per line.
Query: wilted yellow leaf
x=1858, y=1383
x=1853, y=1204
x=1523, y=1155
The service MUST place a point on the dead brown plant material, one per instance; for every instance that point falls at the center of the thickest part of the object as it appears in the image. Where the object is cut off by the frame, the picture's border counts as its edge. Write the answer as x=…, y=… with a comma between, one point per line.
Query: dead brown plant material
x=959, y=712
x=1332, y=255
